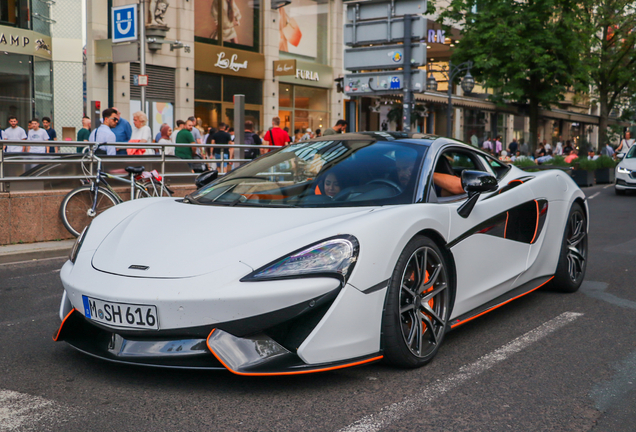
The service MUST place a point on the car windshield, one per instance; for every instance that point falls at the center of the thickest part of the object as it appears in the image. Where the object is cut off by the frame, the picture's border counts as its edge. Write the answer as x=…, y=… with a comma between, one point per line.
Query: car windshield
x=322, y=174
x=631, y=154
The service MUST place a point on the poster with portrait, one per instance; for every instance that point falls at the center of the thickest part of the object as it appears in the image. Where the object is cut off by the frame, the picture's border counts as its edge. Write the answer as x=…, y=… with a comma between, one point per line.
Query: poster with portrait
x=237, y=20
x=298, y=24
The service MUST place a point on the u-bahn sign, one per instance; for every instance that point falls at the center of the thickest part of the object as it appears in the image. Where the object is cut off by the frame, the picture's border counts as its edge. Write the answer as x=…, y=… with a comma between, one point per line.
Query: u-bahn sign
x=124, y=21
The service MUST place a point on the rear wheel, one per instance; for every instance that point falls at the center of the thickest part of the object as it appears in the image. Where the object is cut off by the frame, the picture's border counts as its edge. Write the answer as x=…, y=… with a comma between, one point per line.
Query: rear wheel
x=418, y=305
x=152, y=188
x=573, y=259
x=76, y=210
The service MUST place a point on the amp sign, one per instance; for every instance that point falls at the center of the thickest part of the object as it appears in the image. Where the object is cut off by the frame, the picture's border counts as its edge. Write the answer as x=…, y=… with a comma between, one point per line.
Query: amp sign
x=124, y=21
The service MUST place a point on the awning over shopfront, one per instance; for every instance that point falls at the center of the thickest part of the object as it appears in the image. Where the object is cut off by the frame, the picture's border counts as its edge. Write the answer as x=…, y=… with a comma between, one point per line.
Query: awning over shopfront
x=558, y=114
x=463, y=102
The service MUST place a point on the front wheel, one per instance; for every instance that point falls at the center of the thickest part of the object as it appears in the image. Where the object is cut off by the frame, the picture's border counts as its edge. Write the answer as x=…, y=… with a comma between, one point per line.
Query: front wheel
x=418, y=305
x=76, y=210
x=573, y=258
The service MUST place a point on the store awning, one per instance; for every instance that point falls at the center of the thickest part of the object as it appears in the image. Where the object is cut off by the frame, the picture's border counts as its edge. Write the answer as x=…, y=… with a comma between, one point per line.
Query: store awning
x=558, y=114
x=463, y=101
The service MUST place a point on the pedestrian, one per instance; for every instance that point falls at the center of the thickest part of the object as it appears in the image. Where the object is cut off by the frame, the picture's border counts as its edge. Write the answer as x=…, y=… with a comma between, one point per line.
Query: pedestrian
x=608, y=150
x=122, y=131
x=474, y=140
x=318, y=133
x=180, y=126
x=567, y=148
x=547, y=146
x=574, y=154
x=37, y=134
x=524, y=148
x=253, y=139
x=46, y=124
x=276, y=136
x=104, y=133
x=184, y=136
x=222, y=136
x=196, y=133
x=14, y=133
x=626, y=143
x=591, y=155
x=340, y=126
x=307, y=135
x=141, y=134
x=498, y=145
x=540, y=152
x=487, y=144
x=84, y=132
x=558, y=149
x=513, y=146
x=164, y=139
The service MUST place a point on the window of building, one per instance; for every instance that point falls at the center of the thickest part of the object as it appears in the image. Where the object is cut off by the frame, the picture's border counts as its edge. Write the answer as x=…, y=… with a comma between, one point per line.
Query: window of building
x=14, y=13
x=231, y=23
x=15, y=89
x=302, y=107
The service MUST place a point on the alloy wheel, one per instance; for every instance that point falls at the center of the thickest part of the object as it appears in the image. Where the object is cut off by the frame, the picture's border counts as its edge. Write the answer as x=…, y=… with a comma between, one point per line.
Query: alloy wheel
x=577, y=246
x=424, y=301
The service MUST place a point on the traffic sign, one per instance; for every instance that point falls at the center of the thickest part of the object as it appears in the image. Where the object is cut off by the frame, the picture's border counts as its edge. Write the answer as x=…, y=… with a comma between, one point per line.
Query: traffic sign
x=140, y=80
x=381, y=9
x=124, y=23
x=383, y=31
x=377, y=83
x=383, y=57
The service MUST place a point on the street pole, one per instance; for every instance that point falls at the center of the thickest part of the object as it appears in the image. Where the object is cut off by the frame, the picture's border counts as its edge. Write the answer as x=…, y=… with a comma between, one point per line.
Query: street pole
x=239, y=125
x=408, y=95
x=142, y=48
x=449, y=109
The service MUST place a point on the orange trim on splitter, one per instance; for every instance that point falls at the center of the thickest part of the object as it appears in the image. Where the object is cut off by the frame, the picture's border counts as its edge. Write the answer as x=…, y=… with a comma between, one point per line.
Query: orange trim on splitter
x=57, y=336
x=499, y=305
x=207, y=341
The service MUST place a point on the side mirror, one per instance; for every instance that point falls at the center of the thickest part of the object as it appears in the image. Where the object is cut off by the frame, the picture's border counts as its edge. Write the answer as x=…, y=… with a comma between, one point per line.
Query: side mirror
x=205, y=178
x=620, y=155
x=474, y=183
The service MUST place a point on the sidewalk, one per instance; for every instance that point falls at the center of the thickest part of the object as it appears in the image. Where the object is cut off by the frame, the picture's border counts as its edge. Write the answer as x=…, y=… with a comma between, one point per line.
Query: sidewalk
x=32, y=251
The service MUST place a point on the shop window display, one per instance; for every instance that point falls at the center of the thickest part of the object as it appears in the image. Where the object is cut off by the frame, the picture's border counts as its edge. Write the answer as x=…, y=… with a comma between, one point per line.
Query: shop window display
x=232, y=23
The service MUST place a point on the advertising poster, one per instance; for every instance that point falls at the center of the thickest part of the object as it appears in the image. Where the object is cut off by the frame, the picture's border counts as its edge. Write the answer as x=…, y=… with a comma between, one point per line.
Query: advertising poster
x=299, y=27
x=237, y=20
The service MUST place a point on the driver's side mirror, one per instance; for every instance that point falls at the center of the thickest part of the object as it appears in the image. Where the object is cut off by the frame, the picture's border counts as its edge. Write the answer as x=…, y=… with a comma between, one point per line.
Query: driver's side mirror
x=474, y=183
x=205, y=178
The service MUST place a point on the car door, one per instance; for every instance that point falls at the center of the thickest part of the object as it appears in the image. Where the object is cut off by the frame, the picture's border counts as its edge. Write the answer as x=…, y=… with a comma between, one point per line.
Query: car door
x=487, y=259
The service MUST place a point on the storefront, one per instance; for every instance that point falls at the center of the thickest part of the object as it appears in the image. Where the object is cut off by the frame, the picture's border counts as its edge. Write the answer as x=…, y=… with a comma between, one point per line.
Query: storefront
x=26, y=85
x=303, y=100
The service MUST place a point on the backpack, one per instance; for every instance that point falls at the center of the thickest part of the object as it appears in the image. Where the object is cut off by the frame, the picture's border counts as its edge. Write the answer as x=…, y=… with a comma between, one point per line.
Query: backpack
x=251, y=153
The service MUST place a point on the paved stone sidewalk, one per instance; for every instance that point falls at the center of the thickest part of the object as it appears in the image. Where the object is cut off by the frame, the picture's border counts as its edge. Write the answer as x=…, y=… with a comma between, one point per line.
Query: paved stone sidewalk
x=30, y=251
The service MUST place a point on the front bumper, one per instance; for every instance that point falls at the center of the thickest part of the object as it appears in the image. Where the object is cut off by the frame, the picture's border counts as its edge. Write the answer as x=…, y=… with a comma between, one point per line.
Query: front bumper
x=625, y=181
x=255, y=354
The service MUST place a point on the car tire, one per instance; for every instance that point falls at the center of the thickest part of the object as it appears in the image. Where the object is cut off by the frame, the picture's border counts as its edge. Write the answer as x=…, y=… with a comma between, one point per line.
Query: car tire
x=418, y=305
x=573, y=257
x=619, y=191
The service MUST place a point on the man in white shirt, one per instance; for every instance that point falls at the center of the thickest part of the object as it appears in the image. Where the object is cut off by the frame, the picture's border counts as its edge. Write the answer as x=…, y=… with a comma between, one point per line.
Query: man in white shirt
x=180, y=126
x=104, y=134
x=14, y=132
x=37, y=134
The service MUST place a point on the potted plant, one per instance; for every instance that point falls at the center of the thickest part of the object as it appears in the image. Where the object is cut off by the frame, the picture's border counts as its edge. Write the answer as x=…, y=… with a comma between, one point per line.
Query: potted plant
x=583, y=172
x=525, y=163
x=605, y=170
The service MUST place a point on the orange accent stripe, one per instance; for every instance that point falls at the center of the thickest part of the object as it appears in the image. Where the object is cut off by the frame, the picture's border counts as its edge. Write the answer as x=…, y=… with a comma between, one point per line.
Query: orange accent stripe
x=515, y=180
x=57, y=336
x=288, y=373
x=506, y=227
x=536, y=228
x=317, y=191
x=499, y=305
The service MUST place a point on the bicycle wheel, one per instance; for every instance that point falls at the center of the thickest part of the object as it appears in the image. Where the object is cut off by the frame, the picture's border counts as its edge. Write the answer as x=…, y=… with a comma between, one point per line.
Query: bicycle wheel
x=76, y=208
x=152, y=188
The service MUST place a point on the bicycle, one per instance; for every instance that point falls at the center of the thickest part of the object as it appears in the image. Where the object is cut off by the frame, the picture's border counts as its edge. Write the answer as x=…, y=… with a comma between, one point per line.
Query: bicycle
x=95, y=196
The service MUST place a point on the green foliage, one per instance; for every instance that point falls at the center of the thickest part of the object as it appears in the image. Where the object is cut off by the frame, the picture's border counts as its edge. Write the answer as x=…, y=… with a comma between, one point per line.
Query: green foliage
x=530, y=50
x=583, y=163
x=558, y=161
x=523, y=162
x=605, y=162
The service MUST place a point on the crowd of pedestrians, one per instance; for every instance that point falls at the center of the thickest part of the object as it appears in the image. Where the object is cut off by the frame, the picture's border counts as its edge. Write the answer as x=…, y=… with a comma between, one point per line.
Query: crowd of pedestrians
x=545, y=151
x=36, y=133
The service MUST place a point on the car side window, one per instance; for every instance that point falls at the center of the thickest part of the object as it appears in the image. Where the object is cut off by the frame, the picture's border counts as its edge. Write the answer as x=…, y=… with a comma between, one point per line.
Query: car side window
x=452, y=162
x=499, y=168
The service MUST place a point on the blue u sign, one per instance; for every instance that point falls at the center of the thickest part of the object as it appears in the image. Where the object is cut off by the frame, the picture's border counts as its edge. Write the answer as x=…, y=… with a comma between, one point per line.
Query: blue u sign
x=124, y=21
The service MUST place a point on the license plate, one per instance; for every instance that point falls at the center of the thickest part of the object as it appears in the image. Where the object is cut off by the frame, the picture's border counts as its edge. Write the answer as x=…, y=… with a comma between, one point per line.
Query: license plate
x=121, y=314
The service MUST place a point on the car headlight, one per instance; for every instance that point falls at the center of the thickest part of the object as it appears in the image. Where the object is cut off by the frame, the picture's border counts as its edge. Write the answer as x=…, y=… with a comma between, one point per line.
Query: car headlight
x=332, y=257
x=77, y=245
x=623, y=170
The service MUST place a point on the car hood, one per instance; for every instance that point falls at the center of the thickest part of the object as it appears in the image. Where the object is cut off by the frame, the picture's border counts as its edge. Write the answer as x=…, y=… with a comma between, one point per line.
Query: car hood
x=176, y=240
x=628, y=163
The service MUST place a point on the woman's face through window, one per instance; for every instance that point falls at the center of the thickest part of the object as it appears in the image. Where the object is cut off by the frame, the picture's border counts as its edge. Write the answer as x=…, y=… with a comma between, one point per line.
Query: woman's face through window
x=332, y=186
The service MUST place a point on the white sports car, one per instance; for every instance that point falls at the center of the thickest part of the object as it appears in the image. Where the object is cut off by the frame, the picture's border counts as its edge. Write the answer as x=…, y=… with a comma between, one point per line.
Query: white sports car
x=626, y=173
x=321, y=255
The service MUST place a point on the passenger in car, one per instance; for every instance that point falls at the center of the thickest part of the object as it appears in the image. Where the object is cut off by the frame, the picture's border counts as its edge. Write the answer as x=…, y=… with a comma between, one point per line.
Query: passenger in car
x=329, y=185
x=445, y=180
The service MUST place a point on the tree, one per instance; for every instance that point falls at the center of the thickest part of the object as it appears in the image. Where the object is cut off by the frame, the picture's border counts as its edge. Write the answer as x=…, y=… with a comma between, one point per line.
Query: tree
x=610, y=56
x=528, y=51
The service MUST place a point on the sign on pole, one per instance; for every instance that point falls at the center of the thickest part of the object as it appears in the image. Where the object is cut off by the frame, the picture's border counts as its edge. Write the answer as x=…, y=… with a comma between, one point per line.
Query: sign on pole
x=381, y=9
x=383, y=57
x=383, y=31
x=124, y=21
x=378, y=83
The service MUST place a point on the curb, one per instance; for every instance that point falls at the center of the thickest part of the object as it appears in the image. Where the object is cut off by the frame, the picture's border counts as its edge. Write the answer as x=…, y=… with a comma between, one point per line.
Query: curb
x=34, y=251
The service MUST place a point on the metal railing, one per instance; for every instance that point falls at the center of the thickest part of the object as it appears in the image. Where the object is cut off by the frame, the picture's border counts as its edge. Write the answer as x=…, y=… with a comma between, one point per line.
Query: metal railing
x=56, y=158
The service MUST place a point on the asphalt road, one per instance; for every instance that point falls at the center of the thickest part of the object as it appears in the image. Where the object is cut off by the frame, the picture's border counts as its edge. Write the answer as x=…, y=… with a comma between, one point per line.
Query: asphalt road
x=548, y=362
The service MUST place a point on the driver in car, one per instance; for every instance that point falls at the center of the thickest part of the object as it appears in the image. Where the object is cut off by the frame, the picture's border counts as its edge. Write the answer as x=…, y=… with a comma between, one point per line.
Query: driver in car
x=449, y=184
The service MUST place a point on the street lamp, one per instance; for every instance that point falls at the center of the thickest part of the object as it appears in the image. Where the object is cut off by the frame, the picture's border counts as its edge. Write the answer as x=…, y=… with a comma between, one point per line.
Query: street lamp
x=467, y=84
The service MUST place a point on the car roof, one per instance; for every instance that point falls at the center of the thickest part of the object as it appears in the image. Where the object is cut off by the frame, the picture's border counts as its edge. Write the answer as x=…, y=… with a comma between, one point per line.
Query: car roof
x=410, y=137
